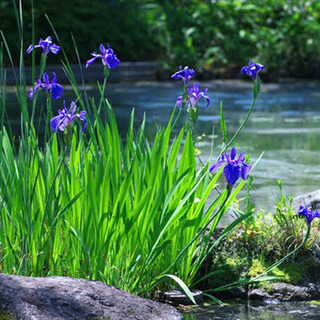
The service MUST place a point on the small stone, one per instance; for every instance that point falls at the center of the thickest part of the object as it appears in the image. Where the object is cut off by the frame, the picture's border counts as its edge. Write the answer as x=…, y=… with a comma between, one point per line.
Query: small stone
x=180, y=297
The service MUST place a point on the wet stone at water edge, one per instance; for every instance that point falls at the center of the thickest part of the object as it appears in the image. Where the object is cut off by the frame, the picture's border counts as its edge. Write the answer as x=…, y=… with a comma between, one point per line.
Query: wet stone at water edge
x=26, y=298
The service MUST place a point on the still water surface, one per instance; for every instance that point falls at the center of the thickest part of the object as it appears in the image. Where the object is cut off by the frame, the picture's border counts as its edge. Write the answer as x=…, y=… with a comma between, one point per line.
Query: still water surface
x=242, y=310
x=285, y=125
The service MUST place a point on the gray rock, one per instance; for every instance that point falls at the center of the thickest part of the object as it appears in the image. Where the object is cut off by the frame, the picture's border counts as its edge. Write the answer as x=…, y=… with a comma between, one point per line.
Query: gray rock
x=179, y=297
x=286, y=292
x=310, y=199
x=68, y=298
x=259, y=294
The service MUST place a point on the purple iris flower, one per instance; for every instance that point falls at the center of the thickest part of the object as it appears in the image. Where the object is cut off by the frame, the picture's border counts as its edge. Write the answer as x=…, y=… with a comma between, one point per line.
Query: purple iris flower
x=108, y=57
x=52, y=87
x=234, y=168
x=194, y=95
x=252, y=70
x=46, y=46
x=185, y=74
x=66, y=117
x=308, y=213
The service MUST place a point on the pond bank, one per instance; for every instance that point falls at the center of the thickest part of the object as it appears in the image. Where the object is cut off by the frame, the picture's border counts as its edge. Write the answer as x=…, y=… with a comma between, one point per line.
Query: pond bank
x=126, y=72
x=144, y=71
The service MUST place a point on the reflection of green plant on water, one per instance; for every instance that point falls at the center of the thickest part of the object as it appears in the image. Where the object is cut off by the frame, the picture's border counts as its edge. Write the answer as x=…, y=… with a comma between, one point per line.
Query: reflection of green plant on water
x=133, y=213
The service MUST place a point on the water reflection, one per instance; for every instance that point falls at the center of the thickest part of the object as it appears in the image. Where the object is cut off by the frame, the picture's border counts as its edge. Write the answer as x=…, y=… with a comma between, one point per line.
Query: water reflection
x=243, y=310
x=284, y=124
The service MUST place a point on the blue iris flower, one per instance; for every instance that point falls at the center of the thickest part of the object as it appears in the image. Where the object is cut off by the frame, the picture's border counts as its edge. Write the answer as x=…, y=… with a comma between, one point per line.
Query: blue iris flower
x=252, y=70
x=185, y=74
x=235, y=168
x=52, y=87
x=107, y=55
x=66, y=117
x=193, y=96
x=308, y=213
x=46, y=46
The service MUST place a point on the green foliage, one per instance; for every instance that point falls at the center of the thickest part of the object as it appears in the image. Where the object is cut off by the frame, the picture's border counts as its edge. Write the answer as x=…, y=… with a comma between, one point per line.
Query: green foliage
x=131, y=212
x=283, y=35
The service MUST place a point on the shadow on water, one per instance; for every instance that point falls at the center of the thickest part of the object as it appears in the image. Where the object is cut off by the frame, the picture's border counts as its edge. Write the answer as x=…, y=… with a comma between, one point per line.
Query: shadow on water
x=243, y=310
x=284, y=125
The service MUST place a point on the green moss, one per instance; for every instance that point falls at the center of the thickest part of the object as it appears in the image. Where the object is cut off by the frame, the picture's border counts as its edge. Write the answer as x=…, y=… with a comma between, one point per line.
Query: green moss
x=289, y=272
x=256, y=268
x=292, y=273
x=5, y=315
x=315, y=302
x=232, y=268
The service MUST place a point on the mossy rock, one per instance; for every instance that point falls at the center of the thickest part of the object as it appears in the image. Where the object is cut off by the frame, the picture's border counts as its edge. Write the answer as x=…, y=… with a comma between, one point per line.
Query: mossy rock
x=292, y=273
x=289, y=272
x=231, y=268
x=256, y=268
x=5, y=315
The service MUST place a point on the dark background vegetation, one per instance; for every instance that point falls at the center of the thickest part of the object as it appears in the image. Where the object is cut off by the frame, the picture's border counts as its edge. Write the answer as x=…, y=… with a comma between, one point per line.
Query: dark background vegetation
x=204, y=34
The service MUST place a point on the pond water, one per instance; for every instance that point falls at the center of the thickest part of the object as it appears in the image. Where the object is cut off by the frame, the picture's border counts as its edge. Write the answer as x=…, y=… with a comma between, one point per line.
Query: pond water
x=285, y=125
x=243, y=310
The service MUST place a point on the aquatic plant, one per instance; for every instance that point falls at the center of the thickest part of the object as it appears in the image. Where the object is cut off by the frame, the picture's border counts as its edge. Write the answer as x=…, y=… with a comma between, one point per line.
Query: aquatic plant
x=308, y=213
x=184, y=74
x=66, y=117
x=46, y=45
x=54, y=88
x=234, y=168
x=135, y=214
x=252, y=70
x=108, y=57
x=193, y=96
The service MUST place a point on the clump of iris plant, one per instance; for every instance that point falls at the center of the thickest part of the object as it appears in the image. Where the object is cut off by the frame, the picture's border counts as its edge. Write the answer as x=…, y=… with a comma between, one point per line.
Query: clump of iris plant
x=184, y=74
x=107, y=56
x=235, y=168
x=53, y=88
x=66, y=117
x=252, y=70
x=46, y=45
x=193, y=96
x=308, y=213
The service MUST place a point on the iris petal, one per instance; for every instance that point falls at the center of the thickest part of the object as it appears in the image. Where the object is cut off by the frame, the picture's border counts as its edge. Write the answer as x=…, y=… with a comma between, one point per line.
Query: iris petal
x=54, y=123
x=30, y=48
x=245, y=170
x=242, y=157
x=233, y=153
x=112, y=61
x=179, y=102
x=216, y=166
x=56, y=91
x=91, y=61
x=232, y=173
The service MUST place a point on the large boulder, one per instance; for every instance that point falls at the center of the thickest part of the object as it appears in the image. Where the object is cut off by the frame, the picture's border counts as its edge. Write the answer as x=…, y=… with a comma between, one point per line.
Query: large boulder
x=311, y=199
x=69, y=298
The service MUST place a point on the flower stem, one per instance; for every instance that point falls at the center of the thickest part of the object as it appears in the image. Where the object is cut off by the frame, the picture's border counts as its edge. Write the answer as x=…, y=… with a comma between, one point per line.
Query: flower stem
x=256, y=90
x=239, y=129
